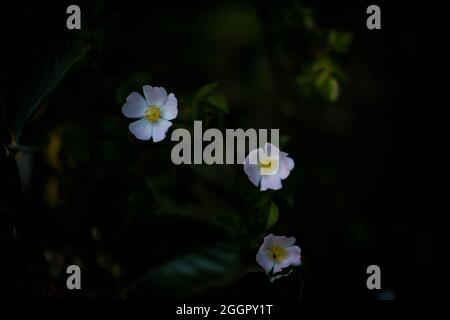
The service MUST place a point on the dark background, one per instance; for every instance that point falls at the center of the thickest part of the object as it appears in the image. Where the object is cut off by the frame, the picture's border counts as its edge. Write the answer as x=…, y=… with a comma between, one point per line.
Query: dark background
x=360, y=194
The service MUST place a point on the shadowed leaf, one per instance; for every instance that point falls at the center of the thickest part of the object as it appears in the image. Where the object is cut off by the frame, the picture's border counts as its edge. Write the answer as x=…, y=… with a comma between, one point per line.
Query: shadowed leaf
x=273, y=215
x=187, y=273
x=48, y=69
x=219, y=102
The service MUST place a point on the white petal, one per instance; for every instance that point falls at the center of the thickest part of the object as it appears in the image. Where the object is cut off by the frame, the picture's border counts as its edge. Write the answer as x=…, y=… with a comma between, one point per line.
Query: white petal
x=142, y=129
x=268, y=242
x=253, y=173
x=272, y=151
x=282, y=264
x=251, y=168
x=269, y=148
x=169, y=110
x=286, y=165
x=252, y=157
x=160, y=128
x=292, y=259
x=291, y=163
x=294, y=255
x=278, y=267
x=135, y=106
x=262, y=257
x=271, y=182
x=155, y=96
x=285, y=241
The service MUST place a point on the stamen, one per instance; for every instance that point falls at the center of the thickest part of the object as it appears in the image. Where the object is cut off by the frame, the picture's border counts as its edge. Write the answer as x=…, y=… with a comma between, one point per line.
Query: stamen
x=152, y=114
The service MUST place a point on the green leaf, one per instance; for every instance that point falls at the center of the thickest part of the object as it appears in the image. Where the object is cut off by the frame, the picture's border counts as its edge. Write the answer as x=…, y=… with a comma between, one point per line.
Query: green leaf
x=340, y=41
x=187, y=273
x=49, y=68
x=322, y=78
x=219, y=102
x=331, y=89
x=200, y=96
x=205, y=91
x=273, y=215
x=307, y=18
x=320, y=65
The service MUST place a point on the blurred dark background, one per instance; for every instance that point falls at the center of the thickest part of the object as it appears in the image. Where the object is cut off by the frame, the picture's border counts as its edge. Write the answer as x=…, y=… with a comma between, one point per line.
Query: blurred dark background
x=77, y=188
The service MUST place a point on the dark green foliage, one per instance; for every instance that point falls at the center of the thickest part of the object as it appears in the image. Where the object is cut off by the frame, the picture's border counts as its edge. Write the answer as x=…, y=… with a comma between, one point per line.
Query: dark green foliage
x=46, y=70
x=187, y=274
x=142, y=227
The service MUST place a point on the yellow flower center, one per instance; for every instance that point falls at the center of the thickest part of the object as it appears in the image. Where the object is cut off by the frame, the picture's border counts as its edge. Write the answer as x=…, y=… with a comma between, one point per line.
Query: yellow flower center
x=265, y=163
x=152, y=114
x=278, y=254
x=268, y=165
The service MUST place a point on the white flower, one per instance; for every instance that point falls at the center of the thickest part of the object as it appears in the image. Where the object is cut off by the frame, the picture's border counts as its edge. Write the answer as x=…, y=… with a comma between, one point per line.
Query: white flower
x=277, y=253
x=267, y=167
x=154, y=113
